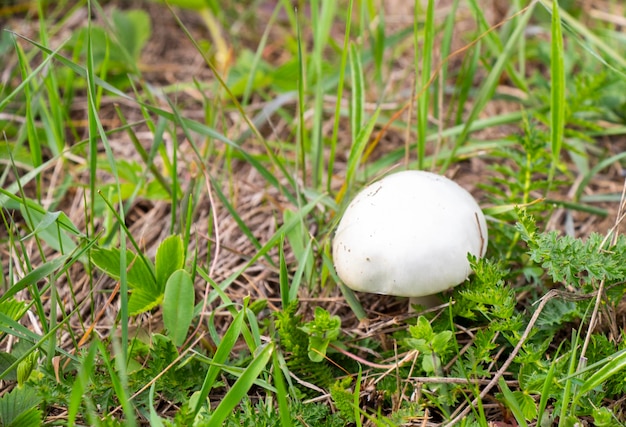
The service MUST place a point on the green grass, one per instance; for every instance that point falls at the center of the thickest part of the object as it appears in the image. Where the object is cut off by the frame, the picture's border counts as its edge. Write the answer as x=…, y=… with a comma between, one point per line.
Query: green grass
x=167, y=228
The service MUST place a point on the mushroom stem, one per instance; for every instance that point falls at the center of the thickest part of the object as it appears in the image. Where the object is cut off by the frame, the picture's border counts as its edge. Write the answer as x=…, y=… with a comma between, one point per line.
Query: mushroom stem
x=427, y=301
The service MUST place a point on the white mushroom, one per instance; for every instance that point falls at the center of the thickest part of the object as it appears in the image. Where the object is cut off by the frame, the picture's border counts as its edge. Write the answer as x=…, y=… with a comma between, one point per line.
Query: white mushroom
x=409, y=235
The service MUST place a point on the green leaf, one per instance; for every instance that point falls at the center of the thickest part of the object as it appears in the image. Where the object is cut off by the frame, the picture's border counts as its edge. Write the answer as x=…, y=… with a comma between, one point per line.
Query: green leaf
x=155, y=420
x=26, y=366
x=178, y=304
x=317, y=348
x=431, y=363
x=614, y=364
x=35, y=276
x=6, y=360
x=47, y=227
x=221, y=354
x=356, y=100
x=240, y=389
x=557, y=89
x=421, y=336
x=19, y=408
x=139, y=275
x=517, y=403
x=133, y=30
x=358, y=147
x=169, y=258
x=283, y=276
x=80, y=386
x=141, y=301
x=440, y=341
x=281, y=392
x=29, y=418
x=297, y=236
x=322, y=330
x=422, y=329
x=13, y=308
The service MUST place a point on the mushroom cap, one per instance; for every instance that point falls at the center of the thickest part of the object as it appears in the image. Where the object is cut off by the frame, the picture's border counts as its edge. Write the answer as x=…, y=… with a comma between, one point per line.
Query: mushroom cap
x=409, y=235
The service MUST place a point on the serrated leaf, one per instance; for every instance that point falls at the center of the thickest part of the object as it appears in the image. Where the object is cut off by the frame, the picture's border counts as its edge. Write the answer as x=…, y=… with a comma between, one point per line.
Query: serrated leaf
x=6, y=360
x=440, y=341
x=13, y=308
x=178, y=304
x=19, y=408
x=29, y=418
x=527, y=404
x=139, y=275
x=422, y=329
x=141, y=301
x=169, y=258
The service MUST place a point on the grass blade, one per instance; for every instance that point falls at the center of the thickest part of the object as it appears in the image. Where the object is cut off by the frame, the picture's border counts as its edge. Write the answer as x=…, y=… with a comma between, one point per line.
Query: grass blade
x=567, y=391
x=612, y=366
x=302, y=144
x=96, y=132
x=223, y=350
x=241, y=386
x=83, y=378
x=547, y=386
x=356, y=100
x=424, y=90
x=557, y=90
x=283, y=277
x=357, y=149
x=337, y=115
x=281, y=392
x=119, y=380
x=512, y=403
x=489, y=85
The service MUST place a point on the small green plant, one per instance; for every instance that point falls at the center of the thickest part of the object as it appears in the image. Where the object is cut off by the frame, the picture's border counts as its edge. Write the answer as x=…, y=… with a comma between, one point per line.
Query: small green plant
x=299, y=346
x=116, y=50
x=342, y=393
x=576, y=262
x=165, y=283
x=430, y=344
x=322, y=330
